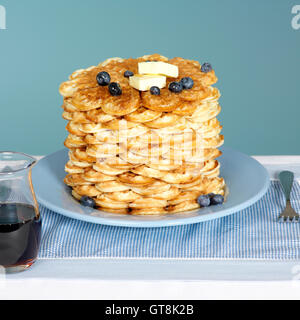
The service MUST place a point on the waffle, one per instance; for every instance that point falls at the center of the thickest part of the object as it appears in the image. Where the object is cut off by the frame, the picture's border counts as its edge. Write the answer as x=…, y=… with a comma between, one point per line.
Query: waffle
x=139, y=153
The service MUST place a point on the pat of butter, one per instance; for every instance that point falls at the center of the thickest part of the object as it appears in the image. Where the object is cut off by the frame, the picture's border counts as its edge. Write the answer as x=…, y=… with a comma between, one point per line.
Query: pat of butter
x=158, y=67
x=145, y=82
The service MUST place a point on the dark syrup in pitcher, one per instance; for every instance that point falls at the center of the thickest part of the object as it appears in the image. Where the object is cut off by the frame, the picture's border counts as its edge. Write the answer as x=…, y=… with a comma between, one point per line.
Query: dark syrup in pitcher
x=20, y=234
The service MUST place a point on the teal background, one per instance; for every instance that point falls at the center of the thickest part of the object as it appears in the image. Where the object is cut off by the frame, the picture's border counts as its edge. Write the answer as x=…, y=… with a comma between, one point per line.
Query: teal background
x=251, y=44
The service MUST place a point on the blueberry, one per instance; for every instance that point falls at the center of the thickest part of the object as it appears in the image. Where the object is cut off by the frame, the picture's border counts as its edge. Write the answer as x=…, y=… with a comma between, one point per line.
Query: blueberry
x=103, y=78
x=155, y=90
x=206, y=67
x=187, y=83
x=87, y=201
x=115, y=89
x=175, y=87
x=211, y=195
x=204, y=201
x=217, y=199
x=128, y=74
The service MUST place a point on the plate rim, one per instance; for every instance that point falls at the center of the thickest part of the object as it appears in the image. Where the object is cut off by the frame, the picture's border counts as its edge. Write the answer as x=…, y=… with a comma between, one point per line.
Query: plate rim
x=158, y=223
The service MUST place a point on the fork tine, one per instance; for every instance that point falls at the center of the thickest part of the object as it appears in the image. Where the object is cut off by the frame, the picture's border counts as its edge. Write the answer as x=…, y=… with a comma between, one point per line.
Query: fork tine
x=281, y=219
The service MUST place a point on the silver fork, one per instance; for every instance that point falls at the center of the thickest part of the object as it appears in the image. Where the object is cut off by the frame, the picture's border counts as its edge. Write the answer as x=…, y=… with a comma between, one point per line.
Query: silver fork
x=289, y=214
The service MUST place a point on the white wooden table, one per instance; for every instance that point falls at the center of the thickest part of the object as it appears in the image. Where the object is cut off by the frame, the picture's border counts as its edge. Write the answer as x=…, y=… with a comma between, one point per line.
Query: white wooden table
x=160, y=279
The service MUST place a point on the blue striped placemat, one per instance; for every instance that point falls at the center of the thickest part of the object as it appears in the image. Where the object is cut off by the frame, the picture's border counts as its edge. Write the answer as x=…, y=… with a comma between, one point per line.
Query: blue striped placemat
x=253, y=233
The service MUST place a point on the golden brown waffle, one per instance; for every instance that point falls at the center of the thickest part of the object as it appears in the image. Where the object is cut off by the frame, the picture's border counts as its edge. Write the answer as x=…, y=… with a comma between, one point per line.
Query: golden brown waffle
x=139, y=153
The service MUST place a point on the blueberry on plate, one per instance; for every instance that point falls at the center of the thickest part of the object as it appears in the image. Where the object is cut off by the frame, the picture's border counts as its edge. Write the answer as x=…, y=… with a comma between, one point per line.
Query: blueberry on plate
x=211, y=195
x=203, y=200
x=206, y=67
x=175, y=87
x=128, y=74
x=115, y=89
x=87, y=201
x=103, y=78
x=155, y=91
x=217, y=199
x=187, y=83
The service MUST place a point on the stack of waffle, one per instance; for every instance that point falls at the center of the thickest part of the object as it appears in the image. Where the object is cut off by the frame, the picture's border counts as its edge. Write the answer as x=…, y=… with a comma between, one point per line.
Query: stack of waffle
x=139, y=153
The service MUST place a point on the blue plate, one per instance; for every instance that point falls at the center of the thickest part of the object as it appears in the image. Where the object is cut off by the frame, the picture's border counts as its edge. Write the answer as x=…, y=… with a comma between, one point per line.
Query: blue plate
x=247, y=181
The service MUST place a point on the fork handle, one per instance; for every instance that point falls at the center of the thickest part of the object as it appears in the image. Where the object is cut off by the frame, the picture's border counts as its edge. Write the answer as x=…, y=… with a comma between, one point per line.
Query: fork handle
x=286, y=179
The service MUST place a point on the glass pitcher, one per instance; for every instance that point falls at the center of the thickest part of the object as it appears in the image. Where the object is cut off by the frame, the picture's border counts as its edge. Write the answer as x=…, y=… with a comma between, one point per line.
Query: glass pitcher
x=20, y=222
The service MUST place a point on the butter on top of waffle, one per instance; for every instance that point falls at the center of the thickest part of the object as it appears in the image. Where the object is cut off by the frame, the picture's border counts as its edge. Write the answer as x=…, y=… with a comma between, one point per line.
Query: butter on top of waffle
x=84, y=93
